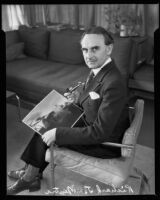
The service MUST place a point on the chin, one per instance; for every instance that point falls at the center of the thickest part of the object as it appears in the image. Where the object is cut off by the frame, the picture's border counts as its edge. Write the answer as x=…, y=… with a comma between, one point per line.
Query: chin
x=93, y=66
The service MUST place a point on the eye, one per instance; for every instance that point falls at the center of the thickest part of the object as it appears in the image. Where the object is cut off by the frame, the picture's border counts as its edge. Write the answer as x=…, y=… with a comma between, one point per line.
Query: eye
x=84, y=50
x=94, y=49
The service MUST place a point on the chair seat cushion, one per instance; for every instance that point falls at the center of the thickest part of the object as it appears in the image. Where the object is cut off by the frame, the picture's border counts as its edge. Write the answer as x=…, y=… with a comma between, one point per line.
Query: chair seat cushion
x=108, y=171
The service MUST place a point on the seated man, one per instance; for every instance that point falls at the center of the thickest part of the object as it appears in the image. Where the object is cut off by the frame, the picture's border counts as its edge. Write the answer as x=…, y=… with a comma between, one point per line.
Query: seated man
x=104, y=101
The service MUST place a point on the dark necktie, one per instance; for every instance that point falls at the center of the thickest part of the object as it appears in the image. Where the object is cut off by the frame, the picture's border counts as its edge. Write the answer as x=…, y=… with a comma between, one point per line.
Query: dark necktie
x=89, y=79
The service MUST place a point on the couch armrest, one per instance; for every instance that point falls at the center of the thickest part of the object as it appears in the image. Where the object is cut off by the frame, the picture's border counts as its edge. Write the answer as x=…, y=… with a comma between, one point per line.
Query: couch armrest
x=137, y=54
x=12, y=37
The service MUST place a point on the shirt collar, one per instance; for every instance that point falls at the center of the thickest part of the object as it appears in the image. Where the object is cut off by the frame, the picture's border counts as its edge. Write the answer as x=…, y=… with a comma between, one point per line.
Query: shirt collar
x=95, y=71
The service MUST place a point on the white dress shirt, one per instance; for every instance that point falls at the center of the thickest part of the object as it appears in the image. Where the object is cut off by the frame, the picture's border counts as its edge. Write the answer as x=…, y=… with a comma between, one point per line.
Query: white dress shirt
x=95, y=71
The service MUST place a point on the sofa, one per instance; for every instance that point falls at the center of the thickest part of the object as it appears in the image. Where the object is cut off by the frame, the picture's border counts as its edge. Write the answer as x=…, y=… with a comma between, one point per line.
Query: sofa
x=142, y=82
x=141, y=79
x=39, y=60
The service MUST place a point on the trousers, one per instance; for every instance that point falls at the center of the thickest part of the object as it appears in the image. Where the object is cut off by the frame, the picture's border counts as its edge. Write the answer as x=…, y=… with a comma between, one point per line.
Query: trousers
x=34, y=153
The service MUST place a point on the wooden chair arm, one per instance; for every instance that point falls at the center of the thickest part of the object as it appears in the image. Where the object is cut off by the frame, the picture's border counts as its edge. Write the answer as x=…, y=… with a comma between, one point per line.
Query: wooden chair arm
x=119, y=145
x=19, y=108
x=52, y=164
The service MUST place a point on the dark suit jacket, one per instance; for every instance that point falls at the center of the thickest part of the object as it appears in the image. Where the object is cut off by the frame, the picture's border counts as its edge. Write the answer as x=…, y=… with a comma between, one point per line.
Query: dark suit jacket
x=107, y=117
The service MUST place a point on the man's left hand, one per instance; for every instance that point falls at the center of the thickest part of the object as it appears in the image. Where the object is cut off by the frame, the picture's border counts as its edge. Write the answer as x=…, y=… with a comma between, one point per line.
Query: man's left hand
x=49, y=136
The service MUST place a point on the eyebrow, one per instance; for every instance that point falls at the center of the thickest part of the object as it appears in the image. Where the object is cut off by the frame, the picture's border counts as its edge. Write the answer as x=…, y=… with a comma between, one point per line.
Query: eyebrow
x=83, y=48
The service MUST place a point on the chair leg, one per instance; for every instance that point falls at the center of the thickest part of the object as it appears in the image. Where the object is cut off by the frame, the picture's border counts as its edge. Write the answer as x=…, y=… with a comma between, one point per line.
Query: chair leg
x=53, y=165
x=52, y=176
x=144, y=185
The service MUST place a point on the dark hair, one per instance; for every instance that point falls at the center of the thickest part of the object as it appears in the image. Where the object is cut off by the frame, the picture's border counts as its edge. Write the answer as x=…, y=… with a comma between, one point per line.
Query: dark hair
x=108, y=39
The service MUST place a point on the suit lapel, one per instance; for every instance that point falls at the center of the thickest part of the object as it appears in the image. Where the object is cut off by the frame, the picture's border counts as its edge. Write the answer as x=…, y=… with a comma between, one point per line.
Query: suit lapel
x=96, y=82
x=92, y=86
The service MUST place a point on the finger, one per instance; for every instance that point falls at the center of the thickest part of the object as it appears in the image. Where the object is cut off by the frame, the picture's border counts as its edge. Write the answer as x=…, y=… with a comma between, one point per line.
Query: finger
x=66, y=94
x=70, y=88
x=70, y=101
x=48, y=143
x=70, y=98
x=44, y=135
x=44, y=140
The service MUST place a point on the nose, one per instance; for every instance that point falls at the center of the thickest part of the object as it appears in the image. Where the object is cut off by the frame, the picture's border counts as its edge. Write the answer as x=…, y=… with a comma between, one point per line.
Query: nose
x=89, y=54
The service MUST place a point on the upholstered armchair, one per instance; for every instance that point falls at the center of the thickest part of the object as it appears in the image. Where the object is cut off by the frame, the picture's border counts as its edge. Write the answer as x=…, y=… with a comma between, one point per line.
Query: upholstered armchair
x=109, y=171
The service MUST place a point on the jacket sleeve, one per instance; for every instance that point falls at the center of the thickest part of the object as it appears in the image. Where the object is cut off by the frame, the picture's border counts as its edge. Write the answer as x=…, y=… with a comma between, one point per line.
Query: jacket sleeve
x=113, y=101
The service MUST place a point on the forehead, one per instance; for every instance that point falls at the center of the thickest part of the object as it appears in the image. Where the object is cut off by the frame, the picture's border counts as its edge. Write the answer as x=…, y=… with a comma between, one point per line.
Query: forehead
x=90, y=40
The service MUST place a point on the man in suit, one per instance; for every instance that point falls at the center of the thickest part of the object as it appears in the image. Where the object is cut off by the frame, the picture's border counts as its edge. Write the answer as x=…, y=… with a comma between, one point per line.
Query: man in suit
x=104, y=101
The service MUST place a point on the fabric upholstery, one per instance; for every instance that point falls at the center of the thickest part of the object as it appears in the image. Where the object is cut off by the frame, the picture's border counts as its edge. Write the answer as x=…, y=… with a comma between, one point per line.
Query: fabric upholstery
x=108, y=171
x=121, y=54
x=15, y=51
x=66, y=56
x=145, y=73
x=143, y=78
x=12, y=37
x=142, y=51
x=113, y=171
x=131, y=134
x=147, y=86
x=35, y=41
x=35, y=78
x=65, y=47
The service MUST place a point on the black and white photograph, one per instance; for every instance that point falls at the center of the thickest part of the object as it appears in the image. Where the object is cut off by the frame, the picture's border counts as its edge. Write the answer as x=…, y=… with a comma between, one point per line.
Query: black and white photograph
x=80, y=110
x=53, y=111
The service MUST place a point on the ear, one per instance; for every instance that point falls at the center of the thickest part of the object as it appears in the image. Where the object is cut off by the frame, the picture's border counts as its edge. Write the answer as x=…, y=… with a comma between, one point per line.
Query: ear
x=109, y=49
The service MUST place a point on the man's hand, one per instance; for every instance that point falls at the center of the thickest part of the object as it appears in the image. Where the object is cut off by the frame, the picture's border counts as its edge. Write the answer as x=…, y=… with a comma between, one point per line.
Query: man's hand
x=72, y=96
x=49, y=136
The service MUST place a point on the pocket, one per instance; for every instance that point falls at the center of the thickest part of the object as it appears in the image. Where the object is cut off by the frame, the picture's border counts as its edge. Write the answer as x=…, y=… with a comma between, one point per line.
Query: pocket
x=94, y=102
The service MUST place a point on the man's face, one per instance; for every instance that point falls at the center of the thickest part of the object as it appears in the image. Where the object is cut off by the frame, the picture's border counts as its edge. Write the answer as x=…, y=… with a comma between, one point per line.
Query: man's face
x=94, y=50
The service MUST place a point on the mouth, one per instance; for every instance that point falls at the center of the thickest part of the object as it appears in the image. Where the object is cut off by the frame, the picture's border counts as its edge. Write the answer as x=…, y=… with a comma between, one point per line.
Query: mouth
x=91, y=62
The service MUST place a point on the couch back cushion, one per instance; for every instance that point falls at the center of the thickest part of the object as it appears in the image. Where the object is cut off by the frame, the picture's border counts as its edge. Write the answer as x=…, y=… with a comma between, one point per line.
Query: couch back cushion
x=12, y=37
x=35, y=41
x=15, y=51
x=142, y=52
x=65, y=47
x=121, y=54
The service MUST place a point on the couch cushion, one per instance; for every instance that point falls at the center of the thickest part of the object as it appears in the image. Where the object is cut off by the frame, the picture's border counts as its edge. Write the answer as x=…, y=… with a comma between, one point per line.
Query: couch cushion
x=12, y=37
x=121, y=53
x=144, y=73
x=35, y=41
x=15, y=51
x=65, y=47
x=147, y=86
x=143, y=79
x=35, y=78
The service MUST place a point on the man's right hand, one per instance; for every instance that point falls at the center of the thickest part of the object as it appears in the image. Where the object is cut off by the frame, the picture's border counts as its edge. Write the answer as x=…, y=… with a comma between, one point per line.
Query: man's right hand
x=72, y=96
